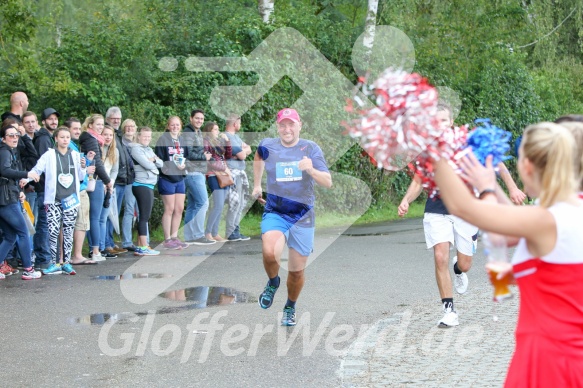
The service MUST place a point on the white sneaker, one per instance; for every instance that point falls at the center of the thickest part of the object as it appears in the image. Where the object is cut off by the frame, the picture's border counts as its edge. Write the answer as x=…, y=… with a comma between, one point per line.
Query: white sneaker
x=449, y=319
x=96, y=257
x=460, y=282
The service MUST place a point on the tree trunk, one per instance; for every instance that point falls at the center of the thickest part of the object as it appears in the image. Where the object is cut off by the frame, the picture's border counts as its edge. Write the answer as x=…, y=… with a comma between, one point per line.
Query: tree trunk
x=265, y=9
x=370, y=25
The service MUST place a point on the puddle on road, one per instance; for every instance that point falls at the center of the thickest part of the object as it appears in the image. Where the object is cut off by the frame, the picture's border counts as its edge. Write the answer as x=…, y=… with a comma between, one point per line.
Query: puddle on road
x=202, y=296
x=131, y=276
x=209, y=296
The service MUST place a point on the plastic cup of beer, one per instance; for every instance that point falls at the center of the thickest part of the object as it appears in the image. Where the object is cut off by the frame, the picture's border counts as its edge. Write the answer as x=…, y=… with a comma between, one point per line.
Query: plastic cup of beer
x=498, y=263
x=501, y=284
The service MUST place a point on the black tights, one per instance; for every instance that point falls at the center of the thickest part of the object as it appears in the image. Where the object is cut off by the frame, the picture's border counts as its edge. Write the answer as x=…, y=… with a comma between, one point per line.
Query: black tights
x=145, y=199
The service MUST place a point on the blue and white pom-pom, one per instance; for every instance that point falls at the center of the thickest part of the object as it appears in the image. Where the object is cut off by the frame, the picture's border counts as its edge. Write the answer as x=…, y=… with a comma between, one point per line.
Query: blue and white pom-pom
x=487, y=139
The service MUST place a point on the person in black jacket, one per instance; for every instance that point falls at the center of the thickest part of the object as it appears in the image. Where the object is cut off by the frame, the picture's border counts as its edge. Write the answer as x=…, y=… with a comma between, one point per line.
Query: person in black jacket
x=42, y=142
x=12, y=220
x=170, y=149
x=91, y=140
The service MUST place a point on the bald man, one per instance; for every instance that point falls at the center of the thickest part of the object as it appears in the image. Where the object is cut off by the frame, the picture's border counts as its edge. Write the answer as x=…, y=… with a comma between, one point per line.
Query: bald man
x=18, y=105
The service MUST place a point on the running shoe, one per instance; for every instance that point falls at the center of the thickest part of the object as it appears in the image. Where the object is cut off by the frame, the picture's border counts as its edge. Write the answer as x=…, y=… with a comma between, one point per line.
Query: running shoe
x=54, y=269
x=289, y=317
x=145, y=251
x=181, y=243
x=449, y=319
x=7, y=269
x=68, y=269
x=460, y=281
x=266, y=297
x=171, y=244
x=30, y=274
x=242, y=237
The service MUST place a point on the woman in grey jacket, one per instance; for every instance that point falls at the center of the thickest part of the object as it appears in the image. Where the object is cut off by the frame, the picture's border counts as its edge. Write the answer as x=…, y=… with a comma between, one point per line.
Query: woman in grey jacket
x=146, y=165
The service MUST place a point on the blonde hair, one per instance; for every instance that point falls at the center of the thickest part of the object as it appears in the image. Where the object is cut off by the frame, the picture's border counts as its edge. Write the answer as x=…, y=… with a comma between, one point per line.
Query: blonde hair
x=172, y=118
x=110, y=155
x=125, y=123
x=576, y=129
x=551, y=149
x=91, y=120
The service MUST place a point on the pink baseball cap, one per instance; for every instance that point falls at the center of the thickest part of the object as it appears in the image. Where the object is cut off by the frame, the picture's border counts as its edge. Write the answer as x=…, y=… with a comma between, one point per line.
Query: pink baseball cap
x=288, y=113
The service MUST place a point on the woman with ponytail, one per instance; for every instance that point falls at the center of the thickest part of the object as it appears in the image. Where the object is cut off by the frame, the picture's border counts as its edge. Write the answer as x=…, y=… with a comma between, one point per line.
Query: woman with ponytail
x=548, y=261
x=91, y=140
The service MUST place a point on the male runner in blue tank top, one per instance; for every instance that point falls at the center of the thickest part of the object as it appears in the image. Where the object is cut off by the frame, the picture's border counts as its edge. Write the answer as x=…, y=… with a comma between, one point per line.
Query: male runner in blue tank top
x=293, y=166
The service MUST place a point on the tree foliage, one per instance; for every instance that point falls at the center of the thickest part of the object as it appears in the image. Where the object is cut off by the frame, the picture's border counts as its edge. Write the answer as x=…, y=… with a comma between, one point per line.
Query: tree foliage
x=516, y=62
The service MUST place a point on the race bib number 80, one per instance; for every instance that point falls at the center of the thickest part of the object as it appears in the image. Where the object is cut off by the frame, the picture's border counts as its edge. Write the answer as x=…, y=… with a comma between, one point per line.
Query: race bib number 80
x=288, y=172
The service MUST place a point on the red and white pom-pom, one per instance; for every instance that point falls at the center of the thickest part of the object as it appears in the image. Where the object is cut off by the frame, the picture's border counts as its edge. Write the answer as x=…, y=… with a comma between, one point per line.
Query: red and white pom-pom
x=403, y=124
x=450, y=145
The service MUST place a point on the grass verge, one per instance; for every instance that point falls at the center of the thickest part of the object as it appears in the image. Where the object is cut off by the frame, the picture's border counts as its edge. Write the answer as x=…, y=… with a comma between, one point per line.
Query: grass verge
x=251, y=223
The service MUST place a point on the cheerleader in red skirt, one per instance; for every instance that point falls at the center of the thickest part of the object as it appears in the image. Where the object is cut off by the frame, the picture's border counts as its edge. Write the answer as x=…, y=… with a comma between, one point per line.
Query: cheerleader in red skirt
x=548, y=261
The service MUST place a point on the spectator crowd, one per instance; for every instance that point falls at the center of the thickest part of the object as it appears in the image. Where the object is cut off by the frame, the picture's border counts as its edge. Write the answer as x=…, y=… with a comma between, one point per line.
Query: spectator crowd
x=64, y=181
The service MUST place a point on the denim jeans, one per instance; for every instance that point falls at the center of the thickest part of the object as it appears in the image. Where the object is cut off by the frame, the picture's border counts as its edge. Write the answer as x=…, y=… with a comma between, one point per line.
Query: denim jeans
x=103, y=224
x=42, y=250
x=95, y=207
x=127, y=223
x=196, y=206
x=13, y=226
x=119, y=194
x=219, y=195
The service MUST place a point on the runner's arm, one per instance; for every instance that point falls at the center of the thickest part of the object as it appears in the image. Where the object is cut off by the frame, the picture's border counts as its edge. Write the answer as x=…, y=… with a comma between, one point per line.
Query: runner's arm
x=258, y=167
x=516, y=195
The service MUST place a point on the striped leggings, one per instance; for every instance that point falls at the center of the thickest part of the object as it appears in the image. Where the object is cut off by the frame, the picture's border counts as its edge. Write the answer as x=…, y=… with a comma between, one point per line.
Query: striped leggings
x=56, y=218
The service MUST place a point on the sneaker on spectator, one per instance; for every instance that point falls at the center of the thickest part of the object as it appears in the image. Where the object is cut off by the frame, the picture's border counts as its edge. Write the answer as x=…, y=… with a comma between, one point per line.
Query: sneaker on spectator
x=145, y=251
x=115, y=250
x=181, y=243
x=201, y=241
x=242, y=237
x=289, y=317
x=219, y=239
x=108, y=255
x=68, y=269
x=54, y=269
x=98, y=257
x=30, y=273
x=7, y=270
x=234, y=237
x=171, y=244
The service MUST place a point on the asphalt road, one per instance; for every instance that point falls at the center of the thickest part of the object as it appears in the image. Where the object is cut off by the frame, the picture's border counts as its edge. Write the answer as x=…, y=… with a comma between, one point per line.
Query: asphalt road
x=86, y=331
